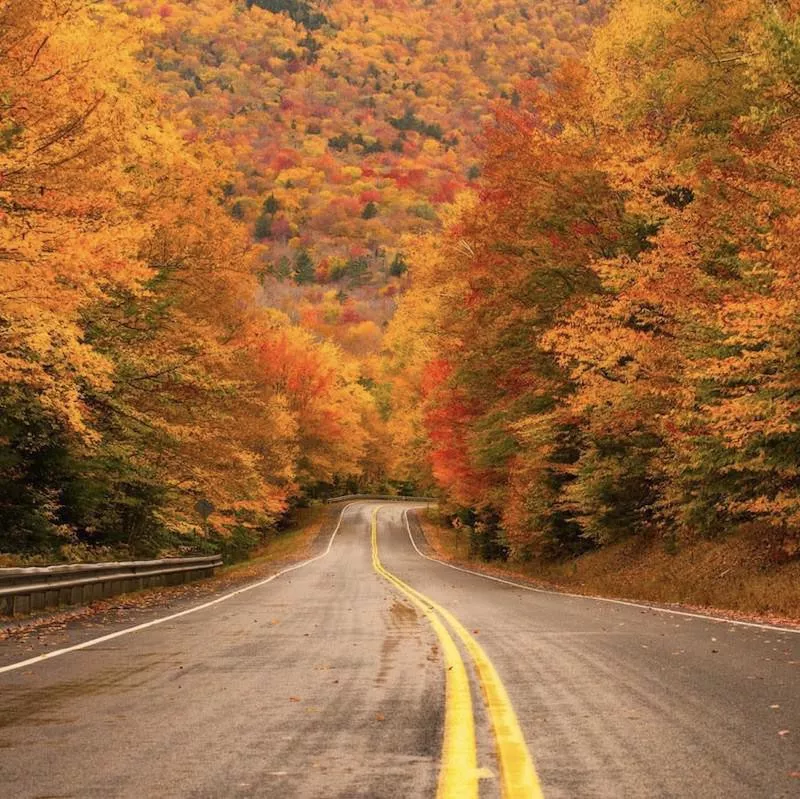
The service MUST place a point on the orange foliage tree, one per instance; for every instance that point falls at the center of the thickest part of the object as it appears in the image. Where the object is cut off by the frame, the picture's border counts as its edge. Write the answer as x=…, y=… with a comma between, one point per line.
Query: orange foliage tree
x=618, y=304
x=138, y=408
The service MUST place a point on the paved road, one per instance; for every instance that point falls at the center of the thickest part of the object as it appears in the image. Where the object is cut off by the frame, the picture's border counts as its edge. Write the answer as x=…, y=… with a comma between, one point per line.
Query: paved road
x=331, y=681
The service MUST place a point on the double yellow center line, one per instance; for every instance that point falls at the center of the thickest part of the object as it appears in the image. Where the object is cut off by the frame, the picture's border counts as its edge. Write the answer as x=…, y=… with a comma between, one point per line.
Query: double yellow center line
x=459, y=774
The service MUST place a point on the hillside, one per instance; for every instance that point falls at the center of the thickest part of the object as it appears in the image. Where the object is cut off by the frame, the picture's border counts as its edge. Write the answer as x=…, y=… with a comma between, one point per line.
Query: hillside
x=345, y=126
x=539, y=259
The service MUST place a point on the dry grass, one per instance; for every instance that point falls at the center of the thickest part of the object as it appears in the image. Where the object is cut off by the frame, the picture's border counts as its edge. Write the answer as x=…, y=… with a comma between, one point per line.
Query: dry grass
x=730, y=576
x=294, y=544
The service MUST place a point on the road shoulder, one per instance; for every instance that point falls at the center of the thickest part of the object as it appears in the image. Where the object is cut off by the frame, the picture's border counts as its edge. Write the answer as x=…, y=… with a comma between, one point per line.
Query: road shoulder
x=646, y=581
x=30, y=636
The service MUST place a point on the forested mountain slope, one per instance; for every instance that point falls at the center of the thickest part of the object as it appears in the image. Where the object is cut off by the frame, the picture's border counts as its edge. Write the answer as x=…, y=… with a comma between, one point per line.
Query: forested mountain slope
x=344, y=126
x=576, y=221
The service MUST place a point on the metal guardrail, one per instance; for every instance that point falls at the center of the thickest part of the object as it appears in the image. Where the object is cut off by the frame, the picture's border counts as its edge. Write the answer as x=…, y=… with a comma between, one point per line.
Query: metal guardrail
x=381, y=497
x=36, y=588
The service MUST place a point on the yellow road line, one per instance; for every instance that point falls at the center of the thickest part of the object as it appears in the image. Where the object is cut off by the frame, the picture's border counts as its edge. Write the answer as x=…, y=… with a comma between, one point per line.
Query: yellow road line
x=518, y=775
x=458, y=774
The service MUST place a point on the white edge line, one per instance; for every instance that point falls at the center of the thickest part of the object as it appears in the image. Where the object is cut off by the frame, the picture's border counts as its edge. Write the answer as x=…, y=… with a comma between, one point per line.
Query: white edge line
x=86, y=644
x=718, y=619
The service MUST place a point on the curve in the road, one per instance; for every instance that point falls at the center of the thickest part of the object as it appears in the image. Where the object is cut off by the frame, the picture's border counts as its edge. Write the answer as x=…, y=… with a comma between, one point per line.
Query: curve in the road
x=518, y=775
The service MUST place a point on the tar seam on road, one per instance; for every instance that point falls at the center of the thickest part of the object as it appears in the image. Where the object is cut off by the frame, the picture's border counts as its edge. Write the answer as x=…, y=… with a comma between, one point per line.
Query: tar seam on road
x=590, y=597
x=154, y=622
x=458, y=774
x=518, y=775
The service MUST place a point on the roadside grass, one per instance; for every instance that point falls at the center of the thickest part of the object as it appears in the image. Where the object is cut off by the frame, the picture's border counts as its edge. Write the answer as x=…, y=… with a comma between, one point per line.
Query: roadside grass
x=292, y=544
x=731, y=576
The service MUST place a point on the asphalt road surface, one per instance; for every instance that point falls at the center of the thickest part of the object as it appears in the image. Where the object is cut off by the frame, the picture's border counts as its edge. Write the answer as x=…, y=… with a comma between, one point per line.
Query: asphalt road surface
x=373, y=671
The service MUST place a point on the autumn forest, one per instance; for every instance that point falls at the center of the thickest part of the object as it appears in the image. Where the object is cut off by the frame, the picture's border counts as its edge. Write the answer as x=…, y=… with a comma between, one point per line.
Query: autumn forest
x=537, y=259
